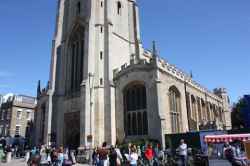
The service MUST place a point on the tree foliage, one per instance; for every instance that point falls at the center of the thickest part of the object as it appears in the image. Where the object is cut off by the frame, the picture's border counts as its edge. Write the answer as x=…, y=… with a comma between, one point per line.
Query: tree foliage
x=237, y=116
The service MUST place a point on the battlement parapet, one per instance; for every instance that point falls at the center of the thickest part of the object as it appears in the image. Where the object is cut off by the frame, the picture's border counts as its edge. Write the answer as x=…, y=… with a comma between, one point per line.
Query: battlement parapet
x=182, y=75
x=171, y=69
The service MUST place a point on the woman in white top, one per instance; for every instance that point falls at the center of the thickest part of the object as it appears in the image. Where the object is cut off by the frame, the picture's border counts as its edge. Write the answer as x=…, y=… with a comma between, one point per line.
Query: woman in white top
x=44, y=157
x=133, y=157
x=119, y=155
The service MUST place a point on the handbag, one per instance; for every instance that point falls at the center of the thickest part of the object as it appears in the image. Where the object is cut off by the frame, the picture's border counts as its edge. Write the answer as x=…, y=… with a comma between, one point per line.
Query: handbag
x=67, y=163
x=118, y=162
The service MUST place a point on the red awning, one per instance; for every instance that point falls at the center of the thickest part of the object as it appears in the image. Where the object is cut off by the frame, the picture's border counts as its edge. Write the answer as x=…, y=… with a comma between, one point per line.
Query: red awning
x=226, y=138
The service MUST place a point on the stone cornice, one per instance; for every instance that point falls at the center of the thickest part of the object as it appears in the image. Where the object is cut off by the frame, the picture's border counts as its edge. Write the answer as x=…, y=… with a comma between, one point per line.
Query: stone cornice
x=168, y=69
x=179, y=74
x=132, y=68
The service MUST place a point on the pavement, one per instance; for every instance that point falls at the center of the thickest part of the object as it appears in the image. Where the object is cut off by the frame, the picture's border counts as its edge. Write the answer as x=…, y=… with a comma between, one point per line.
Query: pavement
x=21, y=162
x=219, y=163
x=16, y=162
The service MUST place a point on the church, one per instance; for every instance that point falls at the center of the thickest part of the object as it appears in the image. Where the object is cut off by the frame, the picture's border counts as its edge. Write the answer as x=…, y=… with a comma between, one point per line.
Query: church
x=104, y=86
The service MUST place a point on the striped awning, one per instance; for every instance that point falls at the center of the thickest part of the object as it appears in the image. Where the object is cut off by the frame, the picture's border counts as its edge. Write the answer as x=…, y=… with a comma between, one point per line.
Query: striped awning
x=226, y=138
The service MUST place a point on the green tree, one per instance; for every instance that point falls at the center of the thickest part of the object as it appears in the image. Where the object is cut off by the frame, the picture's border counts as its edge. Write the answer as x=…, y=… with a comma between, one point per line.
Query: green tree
x=237, y=115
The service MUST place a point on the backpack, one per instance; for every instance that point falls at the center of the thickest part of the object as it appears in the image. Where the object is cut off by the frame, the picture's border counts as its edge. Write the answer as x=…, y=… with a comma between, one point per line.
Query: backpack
x=229, y=154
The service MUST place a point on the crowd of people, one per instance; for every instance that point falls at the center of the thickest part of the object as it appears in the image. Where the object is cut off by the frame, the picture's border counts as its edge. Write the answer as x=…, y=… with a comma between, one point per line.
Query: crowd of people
x=38, y=156
x=15, y=151
x=234, y=154
x=131, y=155
x=46, y=156
x=106, y=155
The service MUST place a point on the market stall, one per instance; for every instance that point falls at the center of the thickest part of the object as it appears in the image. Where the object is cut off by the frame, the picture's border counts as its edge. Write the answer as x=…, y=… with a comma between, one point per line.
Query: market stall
x=226, y=138
x=240, y=142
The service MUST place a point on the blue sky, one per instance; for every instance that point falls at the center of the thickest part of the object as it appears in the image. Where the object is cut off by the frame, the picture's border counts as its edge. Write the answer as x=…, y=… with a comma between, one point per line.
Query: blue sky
x=210, y=38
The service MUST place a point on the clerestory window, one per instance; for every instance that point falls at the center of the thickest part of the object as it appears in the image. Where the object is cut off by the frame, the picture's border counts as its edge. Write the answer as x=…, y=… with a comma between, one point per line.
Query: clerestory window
x=75, y=60
x=174, y=100
x=78, y=8
x=119, y=8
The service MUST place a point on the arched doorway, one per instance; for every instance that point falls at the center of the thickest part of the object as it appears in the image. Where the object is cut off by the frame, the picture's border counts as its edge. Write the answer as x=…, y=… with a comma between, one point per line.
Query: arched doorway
x=72, y=130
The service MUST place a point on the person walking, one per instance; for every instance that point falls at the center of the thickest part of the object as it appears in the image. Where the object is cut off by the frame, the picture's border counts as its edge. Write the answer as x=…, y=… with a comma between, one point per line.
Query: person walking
x=133, y=157
x=60, y=156
x=1, y=153
x=27, y=154
x=54, y=156
x=67, y=161
x=34, y=151
x=95, y=159
x=103, y=155
x=112, y=157
x=119, y=159
x=43, y=157
x=126, y=152
x=182, y=149
x=149, y=155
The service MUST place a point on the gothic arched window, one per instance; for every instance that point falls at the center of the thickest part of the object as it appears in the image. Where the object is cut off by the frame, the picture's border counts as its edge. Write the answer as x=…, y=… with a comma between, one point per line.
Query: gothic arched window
x=203, y=109
x=128, y=122
x=145, y=123
x=75, y=60
x=222, y=119
x=208, y=112
x=175, y=109
x=199, y=110
x=42, y=122
x=194, y=110
x=212, y=112
x=139, y=121
x=188, y=106
x=135, y=113
x=78, y=8
x=119, y=8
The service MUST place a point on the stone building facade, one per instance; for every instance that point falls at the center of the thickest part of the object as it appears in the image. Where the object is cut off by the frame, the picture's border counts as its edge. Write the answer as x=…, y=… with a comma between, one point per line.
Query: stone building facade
x=17, y=115
x=172, y=102
x=41, y=117
x=104, y=86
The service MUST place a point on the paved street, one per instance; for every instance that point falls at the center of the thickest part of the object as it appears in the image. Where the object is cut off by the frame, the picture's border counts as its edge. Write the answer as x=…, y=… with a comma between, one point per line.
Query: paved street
x=219, y=163
x=21, y=162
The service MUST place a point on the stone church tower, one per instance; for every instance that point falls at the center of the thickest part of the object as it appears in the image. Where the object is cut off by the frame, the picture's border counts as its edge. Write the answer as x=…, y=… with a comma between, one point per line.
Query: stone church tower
x=92, y=38
x=105, y=87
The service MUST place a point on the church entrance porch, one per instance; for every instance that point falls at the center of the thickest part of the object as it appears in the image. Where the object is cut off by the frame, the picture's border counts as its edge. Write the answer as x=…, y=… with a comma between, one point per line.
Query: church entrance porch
x=72, y=130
